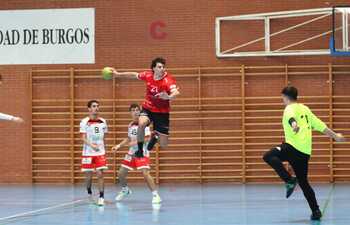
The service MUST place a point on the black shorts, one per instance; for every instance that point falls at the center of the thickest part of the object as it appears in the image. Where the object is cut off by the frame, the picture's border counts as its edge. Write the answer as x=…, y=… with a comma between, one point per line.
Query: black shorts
x=160, y=120
x=288, y=153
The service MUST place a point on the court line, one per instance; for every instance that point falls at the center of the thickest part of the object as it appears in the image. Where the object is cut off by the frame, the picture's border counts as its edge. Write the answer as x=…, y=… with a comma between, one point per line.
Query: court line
x=327, y=200
x=28, y=213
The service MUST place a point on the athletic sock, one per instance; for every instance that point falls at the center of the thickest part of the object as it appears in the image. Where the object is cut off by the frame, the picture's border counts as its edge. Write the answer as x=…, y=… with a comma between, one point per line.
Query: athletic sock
x=102, y=194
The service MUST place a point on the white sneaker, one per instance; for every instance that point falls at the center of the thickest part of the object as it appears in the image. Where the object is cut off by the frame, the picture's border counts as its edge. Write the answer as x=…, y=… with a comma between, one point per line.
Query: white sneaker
x=122, y=194
x=100, y=201
x=156, y=199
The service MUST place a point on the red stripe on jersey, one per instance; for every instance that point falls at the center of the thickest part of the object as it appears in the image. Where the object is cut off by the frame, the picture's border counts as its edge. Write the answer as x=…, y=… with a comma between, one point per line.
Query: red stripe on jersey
x=91, y=121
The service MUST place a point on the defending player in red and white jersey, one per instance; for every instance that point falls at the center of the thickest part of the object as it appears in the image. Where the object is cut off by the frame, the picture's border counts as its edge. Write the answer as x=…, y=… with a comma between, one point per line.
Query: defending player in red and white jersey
x=8, y=117
x=93, y=129
x=161, y=88
x=131, y=162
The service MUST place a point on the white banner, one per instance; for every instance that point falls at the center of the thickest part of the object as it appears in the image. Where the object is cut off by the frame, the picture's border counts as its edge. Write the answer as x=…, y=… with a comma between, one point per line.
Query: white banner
x=47, y=36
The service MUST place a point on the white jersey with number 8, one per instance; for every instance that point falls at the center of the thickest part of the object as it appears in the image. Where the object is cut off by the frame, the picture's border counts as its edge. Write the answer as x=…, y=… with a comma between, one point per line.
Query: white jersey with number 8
x=95, y=131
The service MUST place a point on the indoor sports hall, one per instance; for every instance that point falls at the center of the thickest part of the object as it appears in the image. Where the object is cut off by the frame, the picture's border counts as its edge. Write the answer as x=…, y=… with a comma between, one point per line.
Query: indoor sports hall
x=175, y=112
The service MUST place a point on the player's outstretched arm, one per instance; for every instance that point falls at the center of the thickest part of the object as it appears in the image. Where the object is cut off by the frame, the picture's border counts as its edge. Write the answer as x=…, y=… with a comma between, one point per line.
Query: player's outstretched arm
x=320, y=126
x=125, y=74
x=338, y=137
x=15, y=119
x=120, y=145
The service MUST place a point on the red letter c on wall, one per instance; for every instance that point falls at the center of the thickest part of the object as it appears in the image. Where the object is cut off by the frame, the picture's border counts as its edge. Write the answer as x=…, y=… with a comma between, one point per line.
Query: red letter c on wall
x=155, y=30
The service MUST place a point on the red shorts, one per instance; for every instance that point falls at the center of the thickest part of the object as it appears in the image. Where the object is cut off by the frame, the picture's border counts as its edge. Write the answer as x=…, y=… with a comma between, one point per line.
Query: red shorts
x=131, y=163
x=92, y=163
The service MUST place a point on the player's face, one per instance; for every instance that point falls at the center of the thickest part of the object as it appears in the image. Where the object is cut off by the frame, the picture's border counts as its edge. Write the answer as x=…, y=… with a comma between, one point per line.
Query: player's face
x=95, y=108
x=285, y=100
x=159, y=70
x=135, y=113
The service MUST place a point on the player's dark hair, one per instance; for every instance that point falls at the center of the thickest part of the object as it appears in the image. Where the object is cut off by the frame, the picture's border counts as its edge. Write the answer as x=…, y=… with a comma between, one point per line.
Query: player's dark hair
x=291, y=92
x=89, y=104
x=157, y=60
x=134, y=106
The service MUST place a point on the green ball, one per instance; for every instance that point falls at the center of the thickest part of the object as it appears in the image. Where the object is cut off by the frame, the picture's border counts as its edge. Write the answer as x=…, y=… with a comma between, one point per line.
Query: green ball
x=107, y=73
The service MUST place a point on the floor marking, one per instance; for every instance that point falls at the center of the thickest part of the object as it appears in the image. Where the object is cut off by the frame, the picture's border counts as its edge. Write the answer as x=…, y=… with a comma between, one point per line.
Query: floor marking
x=327, y=200
x=42, y=210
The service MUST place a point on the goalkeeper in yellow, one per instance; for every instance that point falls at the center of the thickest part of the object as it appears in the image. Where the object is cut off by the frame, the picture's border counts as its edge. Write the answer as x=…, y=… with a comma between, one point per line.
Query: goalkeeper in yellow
x=298, y=124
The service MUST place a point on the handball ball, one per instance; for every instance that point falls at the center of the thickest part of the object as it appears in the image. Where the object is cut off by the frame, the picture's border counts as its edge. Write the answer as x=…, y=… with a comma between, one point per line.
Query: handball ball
x=107, y=73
